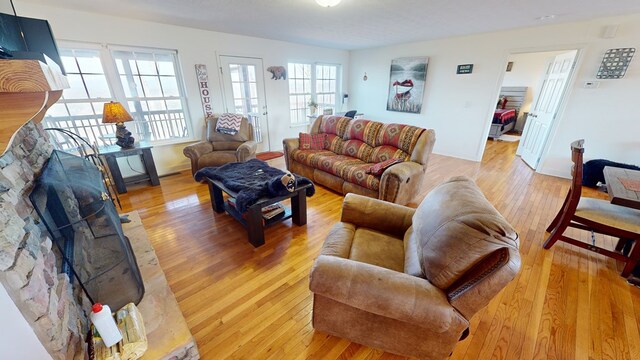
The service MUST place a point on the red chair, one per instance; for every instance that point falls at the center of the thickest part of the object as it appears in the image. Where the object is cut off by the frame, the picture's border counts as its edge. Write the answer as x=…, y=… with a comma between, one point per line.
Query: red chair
x=596, y=216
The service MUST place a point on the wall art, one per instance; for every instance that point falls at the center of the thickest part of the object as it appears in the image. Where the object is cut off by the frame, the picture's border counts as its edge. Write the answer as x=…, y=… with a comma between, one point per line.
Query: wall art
x=406, y=84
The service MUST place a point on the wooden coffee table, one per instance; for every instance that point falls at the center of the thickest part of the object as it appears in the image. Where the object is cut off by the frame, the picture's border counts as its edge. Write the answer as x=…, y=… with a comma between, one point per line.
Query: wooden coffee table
x=253, y=221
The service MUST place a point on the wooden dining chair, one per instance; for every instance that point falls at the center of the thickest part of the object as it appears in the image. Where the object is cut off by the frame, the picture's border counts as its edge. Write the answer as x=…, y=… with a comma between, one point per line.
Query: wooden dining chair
x=596, y=216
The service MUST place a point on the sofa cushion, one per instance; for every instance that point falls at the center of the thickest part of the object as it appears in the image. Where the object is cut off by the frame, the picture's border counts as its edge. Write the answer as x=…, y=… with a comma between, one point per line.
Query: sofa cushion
x=332, y=124
x=310, y=157
x=356, y=173
x=336, y=164
x=386, y=152
x=333, y=143
x=403, y=137
x=363, y=130
x=375, y=248
x=312, y=141
x=357, y=149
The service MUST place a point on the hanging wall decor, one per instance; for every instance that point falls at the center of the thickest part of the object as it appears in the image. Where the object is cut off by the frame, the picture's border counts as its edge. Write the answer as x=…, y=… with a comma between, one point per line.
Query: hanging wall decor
x=406, y=84
x=203, y=85
x=615, y=63
x=277, y=72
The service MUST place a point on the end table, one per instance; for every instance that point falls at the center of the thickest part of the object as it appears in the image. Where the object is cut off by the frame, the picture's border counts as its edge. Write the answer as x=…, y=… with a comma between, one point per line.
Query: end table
x=143, y=149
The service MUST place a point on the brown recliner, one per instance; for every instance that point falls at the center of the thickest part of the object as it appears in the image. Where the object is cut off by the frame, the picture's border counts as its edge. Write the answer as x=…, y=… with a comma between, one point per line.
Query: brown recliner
x=219, y=149
x=408, y=280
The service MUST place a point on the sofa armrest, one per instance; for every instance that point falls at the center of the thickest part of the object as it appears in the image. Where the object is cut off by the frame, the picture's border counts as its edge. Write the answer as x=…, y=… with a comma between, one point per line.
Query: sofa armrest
x=289, y=145
x=376, y=214
x=401, y=182
x=194, y=151
x=246, y=150
x=383, y=292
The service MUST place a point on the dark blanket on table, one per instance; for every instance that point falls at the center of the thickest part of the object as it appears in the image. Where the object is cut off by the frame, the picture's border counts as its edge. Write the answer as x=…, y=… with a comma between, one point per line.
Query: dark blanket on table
x=251, y=180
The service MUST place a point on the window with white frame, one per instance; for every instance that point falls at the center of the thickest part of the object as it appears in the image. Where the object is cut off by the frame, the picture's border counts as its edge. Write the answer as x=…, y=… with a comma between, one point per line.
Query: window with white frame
x=146, y=81
x=311, y=82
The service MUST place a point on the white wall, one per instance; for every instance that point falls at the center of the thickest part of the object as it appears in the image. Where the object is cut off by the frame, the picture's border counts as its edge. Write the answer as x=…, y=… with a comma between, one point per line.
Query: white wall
x=459, y=107
x=17, y=339
x=527, y=71
x=194, y=47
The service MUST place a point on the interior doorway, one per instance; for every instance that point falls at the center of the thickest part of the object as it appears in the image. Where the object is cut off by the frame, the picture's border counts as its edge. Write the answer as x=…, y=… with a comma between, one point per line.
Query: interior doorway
x=531, y=93
x=243, y=90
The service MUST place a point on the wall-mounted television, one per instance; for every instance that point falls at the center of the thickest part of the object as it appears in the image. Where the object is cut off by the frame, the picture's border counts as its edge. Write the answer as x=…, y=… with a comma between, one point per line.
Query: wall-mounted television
x=27, y=38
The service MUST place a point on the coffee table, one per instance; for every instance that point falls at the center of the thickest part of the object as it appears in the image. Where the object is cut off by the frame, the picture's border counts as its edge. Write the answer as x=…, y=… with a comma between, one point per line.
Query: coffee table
x=253, y=222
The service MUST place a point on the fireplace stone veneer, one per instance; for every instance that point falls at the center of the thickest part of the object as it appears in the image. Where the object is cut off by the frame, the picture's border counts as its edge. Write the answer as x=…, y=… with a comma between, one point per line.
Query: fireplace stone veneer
x=28, y=263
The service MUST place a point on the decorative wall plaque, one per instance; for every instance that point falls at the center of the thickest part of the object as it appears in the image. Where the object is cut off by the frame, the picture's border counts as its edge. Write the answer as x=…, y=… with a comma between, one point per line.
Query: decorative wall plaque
x=465, y=69
x=615, y=63
x=203, y=84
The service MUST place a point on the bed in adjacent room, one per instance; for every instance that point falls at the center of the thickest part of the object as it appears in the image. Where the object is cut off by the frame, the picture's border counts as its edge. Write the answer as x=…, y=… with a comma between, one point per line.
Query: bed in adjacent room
x=506, y=113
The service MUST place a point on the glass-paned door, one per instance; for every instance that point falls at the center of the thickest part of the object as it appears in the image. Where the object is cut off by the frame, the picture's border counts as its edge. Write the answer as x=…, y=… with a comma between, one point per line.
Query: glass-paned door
x=243, y=83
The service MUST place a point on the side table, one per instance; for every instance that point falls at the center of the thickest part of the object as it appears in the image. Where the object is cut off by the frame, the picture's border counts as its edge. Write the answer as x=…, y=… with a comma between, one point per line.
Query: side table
x=143, y=149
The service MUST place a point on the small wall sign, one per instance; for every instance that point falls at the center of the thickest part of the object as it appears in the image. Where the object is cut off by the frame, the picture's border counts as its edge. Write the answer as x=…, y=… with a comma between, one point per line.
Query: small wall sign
x=203, y=84
x=465, y=69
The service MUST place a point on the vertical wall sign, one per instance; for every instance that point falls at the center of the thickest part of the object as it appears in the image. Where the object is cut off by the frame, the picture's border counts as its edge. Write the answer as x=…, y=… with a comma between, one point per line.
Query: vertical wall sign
x=203, y=84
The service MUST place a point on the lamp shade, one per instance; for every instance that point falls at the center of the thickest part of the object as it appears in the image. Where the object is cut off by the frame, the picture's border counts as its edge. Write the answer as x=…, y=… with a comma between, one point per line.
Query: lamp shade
x=328, y=3
x=114, y=112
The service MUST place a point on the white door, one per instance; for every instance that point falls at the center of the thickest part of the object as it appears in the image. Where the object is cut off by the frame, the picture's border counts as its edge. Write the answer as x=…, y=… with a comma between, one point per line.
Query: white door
x=542, y=113
x=243, y=84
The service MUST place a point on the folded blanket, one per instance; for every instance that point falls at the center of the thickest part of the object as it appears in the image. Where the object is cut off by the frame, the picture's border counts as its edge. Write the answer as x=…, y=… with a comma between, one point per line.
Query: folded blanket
x=252, y=180
x=229, y=123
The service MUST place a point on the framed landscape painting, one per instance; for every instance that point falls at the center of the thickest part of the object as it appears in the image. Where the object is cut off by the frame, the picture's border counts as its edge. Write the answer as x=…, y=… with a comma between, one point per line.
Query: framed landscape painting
x=406, y=84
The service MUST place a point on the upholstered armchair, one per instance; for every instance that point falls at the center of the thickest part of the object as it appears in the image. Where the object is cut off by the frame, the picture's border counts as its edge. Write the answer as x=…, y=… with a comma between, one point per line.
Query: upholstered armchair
x=218, y=148
x=408, y=280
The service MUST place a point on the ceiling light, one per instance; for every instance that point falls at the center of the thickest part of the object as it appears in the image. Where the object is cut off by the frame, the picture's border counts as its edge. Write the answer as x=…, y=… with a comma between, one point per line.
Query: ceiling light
x=546, y=18
x=328, y=3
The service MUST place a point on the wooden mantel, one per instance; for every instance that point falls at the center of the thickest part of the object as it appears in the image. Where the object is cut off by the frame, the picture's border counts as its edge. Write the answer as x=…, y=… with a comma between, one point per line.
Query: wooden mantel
x=27, y=89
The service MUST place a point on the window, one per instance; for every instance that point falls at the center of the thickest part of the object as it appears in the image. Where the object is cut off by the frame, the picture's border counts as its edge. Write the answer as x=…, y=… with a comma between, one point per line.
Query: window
x=80, y=108
x=311, y=82
x=147, y=82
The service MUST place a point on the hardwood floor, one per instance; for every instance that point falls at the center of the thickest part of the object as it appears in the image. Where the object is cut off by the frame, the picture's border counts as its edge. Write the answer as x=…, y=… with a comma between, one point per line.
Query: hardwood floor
x=246, y=303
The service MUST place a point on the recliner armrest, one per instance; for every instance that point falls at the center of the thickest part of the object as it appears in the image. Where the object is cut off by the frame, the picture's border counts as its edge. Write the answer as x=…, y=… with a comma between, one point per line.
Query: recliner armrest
x=376, y=214
x=402, y=171
x=288, y=146
x=400, y=183
x=383, y=292
x=194, y=151
x=246, y=150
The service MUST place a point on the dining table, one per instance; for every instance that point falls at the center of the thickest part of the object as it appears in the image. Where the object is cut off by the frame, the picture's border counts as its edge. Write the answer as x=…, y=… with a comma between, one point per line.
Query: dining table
x=623, y=187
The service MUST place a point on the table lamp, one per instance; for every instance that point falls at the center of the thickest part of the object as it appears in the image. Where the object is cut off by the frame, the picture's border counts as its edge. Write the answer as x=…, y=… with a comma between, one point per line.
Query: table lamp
x=114, y=112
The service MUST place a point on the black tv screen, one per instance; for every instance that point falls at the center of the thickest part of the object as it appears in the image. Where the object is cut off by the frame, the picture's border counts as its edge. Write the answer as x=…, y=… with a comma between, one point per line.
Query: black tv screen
x=38, y=38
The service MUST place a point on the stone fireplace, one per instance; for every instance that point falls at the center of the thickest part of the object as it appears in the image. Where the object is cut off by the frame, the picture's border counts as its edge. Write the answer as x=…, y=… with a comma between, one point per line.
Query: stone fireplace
x=31, y=268
x=28, y=263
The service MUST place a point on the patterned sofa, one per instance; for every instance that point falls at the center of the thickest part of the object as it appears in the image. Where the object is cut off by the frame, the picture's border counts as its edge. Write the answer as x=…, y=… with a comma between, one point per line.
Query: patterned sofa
x=351, y=147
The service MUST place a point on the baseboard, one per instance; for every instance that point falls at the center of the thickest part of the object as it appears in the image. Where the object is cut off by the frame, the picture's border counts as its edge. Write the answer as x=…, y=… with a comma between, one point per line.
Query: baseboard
x=174, y=170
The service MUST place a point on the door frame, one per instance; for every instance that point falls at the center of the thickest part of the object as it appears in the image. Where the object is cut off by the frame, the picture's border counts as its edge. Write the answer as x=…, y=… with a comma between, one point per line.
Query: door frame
x=264, y=86
x=579, y=48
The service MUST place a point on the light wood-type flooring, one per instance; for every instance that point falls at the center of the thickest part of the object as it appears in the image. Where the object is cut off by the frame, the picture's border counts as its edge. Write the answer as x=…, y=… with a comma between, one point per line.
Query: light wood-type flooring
x=246, y=303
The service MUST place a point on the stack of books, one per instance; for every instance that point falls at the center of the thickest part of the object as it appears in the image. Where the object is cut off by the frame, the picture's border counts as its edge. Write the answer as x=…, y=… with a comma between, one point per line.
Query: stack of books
x=268, y=212
x=271, y=211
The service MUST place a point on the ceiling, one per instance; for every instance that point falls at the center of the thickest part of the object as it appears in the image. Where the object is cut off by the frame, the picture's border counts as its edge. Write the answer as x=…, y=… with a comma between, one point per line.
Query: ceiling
x=354, y=24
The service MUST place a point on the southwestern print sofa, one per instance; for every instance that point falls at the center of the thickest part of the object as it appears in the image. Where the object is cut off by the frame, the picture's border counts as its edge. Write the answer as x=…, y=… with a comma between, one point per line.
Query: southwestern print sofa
x=370, y=158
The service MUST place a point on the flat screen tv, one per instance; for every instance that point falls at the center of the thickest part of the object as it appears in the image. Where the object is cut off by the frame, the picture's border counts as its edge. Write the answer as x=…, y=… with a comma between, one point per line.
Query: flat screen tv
x=37, y=40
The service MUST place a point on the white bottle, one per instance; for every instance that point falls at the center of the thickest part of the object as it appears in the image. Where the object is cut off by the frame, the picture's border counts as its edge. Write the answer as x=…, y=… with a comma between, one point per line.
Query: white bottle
x=105, y=324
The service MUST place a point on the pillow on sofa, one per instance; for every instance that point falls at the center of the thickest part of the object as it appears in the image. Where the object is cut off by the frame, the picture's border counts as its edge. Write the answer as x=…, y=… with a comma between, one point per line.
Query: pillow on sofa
x=379, y=168
x=312, y=141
